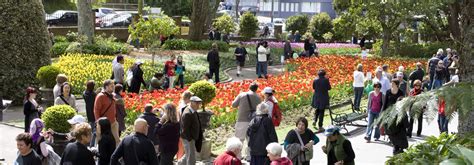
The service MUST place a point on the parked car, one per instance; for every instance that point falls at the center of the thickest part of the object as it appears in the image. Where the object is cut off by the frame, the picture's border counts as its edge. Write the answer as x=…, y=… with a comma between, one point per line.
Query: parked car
x=122, y=21
x=100, y=22
x=62, y=18
x=101, y=12
x=251, y=9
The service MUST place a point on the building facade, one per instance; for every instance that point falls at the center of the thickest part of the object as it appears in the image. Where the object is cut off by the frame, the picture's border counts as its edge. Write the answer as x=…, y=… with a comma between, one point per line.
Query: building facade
x=287, y=8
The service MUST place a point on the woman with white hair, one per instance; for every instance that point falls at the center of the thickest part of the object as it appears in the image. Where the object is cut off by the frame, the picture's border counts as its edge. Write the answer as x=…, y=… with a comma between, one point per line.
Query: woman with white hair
x=274, y=154
x=233, y=148
x=261, y=132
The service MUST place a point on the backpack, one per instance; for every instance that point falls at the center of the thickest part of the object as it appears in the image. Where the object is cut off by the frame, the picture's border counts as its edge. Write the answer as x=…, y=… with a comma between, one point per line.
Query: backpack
x=276, y=114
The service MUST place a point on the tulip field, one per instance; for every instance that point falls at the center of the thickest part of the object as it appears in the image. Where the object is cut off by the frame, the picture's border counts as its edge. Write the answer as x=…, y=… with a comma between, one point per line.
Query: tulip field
x=293, y=88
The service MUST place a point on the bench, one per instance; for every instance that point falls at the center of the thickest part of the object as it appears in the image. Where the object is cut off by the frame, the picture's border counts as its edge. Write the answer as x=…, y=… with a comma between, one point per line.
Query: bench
x=343, y=119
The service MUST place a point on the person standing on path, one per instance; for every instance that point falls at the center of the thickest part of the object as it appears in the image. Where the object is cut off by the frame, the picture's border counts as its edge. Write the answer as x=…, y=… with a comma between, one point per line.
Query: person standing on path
x=338, y=148
x=26, y=156
x=418, y=74
x=120, y=107
x=358, y=85
x=89, y=98
x=214, y=62
x=104, y=106
x=152, y=119
x=374, y=107
x=247, y=103
x=191, y=132
x=60, y=79
x=106, y=141
x=66, y=98
x=230, y=156
x=303, y=139
x=170, y=68
x=240, y=54
x=76, y=153
x=383, y=80
x=261, y=132
x=167, y=132
x=432, y=64
x=287, y=51
x=262, y=60
x=415, y=91
x=137, y=78
x=31, y=108
x=136, y=148
x=320, y=101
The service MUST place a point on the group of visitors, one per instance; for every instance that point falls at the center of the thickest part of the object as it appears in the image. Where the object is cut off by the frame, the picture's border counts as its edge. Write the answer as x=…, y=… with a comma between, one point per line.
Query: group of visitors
x=390, y=88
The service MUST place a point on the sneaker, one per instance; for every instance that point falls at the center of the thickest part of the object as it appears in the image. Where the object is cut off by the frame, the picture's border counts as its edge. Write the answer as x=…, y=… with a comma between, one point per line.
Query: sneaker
x=367, y=139
x=238, y=75
x=376, y=139
x=418, y=134
x=321, y=129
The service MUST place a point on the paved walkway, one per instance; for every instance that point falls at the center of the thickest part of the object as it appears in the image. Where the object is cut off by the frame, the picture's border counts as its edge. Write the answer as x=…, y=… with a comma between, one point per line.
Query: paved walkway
x=249, y=73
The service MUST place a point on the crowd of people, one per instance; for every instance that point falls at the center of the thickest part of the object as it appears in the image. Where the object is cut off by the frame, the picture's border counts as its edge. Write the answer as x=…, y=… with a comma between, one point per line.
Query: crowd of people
x=174, y=134
x=385, y=89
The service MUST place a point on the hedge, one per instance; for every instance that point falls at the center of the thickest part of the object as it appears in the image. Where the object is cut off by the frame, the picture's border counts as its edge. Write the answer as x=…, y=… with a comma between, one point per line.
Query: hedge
x=182, y=44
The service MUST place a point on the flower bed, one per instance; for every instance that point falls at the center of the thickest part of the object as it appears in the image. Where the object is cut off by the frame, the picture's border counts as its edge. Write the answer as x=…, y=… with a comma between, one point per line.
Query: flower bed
x=301, y=45
x=293, y=89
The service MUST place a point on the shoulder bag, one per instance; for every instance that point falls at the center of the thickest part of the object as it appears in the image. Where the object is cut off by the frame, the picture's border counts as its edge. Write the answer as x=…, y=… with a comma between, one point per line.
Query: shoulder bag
x=308, y=153
x=252, y=110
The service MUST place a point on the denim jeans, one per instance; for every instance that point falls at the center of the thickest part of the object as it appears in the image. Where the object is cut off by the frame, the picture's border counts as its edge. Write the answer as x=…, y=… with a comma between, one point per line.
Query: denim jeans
x=442, y=123
x=372, y=117
x=437, y=84
x=92, y=144
x=358, y=92
x=262, y=68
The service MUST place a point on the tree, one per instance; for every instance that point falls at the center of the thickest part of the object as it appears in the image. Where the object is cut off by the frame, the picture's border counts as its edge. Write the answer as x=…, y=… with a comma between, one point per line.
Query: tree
x=85, y=21
x=225, y=24
x=200, y=11
x=297, y=23
x=140, y=8
x=173, y=8
x=149, y=31
x=320, y=24
x=248, y=26
x=342, y=29
x=25, y=46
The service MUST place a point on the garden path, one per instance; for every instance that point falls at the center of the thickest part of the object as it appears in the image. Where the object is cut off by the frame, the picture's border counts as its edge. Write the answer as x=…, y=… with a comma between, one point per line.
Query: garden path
x=249, y=73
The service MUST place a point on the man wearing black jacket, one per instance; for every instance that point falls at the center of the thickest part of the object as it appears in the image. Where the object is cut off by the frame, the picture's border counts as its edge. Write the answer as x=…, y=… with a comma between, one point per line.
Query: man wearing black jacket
x=214, y=62
x=418, y=74
x=136, y=148
x=191, y=132
x=152, y=120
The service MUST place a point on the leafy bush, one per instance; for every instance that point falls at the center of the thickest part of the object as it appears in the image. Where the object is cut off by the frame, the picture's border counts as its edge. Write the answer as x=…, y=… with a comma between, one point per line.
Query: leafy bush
x=328, y=36
x=225, y=24
x=204, y=90
x=72, y=36
x=297, y=23
x=438, y=150
x=248, y=26
x=341, y=28
x=60, y=39
x=56, y=117
x=410, y=50
x=59, y=48
x=320, y=24
x=24, y=46
x=47, y=75
x=183, y=44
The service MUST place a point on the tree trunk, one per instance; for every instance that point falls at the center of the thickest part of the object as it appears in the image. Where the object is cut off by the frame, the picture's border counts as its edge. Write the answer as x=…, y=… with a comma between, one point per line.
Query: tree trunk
x=385, y=42
x=453, y=21
x=85, y=23
x=140, y=8
x=237, y=3
x=214, y=4
x=466, y=70
x=200, y=11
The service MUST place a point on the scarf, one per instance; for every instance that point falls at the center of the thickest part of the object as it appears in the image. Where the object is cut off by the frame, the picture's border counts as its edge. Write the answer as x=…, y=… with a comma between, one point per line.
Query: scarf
x=36, y=127
x=415, y=92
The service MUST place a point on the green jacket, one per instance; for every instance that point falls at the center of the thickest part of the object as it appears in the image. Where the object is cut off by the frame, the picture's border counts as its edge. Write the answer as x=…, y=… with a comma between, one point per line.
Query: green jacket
x=338, y=149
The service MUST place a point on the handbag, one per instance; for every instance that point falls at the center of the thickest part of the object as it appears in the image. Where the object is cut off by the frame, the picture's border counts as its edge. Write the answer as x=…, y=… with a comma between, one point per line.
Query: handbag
x=252, y=111
x=308, y=153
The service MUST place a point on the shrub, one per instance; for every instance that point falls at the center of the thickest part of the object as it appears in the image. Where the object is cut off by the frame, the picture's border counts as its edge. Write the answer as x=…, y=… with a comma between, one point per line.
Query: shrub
x=320, y=24
x=149, y=31
x=204, y=90
x=59, y=48
x=225, y=24
x=24, y=46
x=328, y=36
x=56, y=117
x=342, y=28
x=297, y=23
x=182, y=44
x=72, y=36
x=248, y=26
x=410, y=50
x=47, y=75
x=60, y=39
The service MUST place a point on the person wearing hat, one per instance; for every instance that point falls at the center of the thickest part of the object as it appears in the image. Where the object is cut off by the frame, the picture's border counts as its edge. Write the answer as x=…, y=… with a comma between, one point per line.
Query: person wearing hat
x=320, y=101
x=338, y=148
x=191, y=131
x=137, y=78
x=269, y=99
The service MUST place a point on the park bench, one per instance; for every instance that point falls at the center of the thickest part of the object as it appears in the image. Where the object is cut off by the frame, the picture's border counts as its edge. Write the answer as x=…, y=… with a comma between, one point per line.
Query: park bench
x=343, y=119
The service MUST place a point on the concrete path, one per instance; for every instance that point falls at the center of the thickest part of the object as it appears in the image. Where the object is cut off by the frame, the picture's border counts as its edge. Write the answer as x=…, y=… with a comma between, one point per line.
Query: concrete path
x=8, y=144
x=249, y=73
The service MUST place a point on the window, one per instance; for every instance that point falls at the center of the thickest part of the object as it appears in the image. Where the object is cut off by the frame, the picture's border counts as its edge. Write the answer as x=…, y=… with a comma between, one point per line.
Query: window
x=267, y=6
x=318, y=7
x=291, y=7
x=297, y=9
x=311, y=7
x=287, y=7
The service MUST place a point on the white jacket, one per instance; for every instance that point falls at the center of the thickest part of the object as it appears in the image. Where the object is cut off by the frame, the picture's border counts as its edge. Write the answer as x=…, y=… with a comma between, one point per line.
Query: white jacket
x=262, y=54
